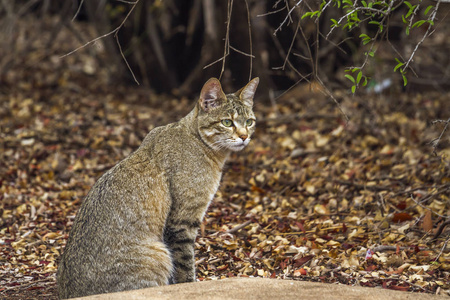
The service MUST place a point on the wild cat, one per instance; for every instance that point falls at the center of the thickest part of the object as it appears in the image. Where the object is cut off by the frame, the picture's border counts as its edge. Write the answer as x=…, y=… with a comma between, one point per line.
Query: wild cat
x=137, y=226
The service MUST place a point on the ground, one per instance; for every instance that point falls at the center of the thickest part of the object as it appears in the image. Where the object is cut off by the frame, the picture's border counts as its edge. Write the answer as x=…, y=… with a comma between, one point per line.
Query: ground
x=313, y=197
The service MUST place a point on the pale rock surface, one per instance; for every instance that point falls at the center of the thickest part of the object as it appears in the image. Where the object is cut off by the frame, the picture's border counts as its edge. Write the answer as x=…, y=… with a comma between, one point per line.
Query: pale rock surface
x=261, y=289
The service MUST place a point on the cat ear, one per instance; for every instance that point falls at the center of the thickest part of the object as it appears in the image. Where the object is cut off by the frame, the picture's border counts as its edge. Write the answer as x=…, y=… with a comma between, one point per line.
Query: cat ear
x=247, y=93
x=211, y=95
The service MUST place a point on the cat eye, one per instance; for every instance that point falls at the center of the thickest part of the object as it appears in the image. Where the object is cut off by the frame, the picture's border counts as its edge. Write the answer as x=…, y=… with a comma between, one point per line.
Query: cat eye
x=249, y=122
x=227, y=123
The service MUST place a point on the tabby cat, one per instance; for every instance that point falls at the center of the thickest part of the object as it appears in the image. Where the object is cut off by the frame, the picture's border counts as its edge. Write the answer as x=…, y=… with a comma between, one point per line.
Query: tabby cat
x=137, y=226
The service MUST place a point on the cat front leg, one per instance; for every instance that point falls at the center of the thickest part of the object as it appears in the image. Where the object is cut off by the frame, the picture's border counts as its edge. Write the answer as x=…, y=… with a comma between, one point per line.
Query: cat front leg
x=180, y=239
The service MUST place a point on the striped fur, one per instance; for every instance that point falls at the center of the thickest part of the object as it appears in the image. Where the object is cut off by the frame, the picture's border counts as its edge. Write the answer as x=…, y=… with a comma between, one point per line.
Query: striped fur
x=137, y=226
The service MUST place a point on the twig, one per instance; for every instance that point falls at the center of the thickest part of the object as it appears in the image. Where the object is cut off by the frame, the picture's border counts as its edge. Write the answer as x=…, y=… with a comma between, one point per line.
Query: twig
x=436, y=142
x=287, y=17
x=428, y=198
x=78, y=10
x=249, y=39
x=216, y=61
x=384, y=248
x=363, y=186
x=89, y=43
x=323, y=9
x=115, y=32
x=271, y=12
x=385, y=13
x=328, y=92
x=238, y=227
x=128, y=2
x=125, y=60
x=292, y=44
x=443, y=248
x=427, y=33
x=241, y=52
x=440, y=229
x=226, y=48
x=414, y=14
x=311, y=58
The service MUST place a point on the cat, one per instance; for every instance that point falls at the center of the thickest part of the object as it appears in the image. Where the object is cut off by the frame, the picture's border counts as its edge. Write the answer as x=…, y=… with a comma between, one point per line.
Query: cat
x=137, y=226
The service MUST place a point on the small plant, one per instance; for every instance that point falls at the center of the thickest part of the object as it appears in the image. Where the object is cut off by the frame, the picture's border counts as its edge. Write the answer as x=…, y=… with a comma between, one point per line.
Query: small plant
x=360, y=15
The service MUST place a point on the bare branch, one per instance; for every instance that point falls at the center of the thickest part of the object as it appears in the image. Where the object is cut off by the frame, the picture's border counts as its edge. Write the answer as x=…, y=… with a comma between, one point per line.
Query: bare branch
x=226, y=48
x=128, y=2
x=292, y=44
x=78, y=10
x=427, y=33
x=241, y=52
x=440, y=229
x=414, y=14
x=287, y=17
x=238, y=227
x=436, y=142
x=123, y=56
x=272, y=12
x=216, y=61
x=90, y=42
x=443, y=248
x=115, y=32
x=385, y=13
x=328, y=92
x=249, y=39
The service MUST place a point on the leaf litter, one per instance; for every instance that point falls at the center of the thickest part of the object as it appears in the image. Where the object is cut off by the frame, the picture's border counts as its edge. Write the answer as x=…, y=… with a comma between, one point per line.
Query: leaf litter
x=311, y=198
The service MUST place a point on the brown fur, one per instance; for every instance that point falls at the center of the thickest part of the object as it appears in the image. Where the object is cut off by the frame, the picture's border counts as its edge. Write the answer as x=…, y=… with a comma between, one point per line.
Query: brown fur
x=137, y=226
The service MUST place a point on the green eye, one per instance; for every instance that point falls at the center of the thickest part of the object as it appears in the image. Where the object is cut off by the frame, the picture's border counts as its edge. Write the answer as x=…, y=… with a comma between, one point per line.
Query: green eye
x=249, y=122
x=227, y=123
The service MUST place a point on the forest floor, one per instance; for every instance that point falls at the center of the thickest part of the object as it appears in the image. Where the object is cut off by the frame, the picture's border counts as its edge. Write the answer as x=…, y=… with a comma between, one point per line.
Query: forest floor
x=313, y=197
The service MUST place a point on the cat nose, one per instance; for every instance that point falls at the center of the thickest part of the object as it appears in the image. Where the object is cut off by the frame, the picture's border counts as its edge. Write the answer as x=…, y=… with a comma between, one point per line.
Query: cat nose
x=243, y=137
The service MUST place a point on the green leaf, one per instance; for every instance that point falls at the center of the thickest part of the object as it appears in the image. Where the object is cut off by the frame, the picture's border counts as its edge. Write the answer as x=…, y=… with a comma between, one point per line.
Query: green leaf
x=372, y=53
x=354, y=17
x=348, y=2
x=353, y=89
x=411, y=10
x=308, y=14
x=365, y=81
x=418, y=23
x=366, y=39
x=404, y=20
x=364, y=3
x=428, y=9
x=350, y=77
x=363, y=35
x=322, y=5
x=398, y=65
x=374, y=22
x=358, y=77
x=407, y=30
x=405, y=81
x=408, y=4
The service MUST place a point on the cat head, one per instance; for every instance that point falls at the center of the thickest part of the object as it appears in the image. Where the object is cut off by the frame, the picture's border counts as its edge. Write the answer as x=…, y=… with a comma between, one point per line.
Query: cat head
x=226, y=122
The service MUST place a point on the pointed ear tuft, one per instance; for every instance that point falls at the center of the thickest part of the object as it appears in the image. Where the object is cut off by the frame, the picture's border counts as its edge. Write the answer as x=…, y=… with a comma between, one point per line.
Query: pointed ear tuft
x=211, y=95
x=247, y=93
